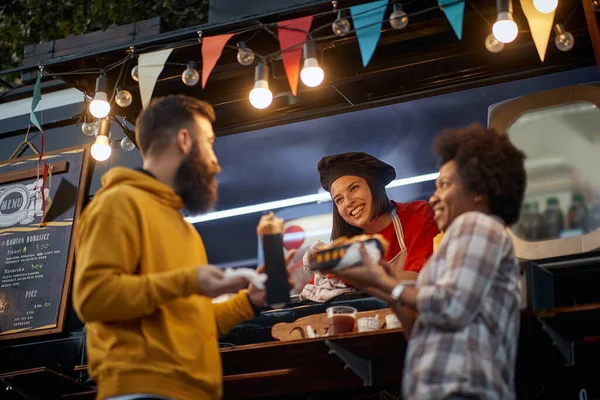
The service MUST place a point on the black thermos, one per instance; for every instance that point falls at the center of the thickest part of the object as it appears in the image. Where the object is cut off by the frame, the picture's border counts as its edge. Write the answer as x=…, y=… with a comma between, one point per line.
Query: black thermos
x=278, y=287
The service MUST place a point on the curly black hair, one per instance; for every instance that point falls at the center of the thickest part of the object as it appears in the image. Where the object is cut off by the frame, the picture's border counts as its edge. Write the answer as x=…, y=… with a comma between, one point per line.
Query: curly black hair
x=489, y=164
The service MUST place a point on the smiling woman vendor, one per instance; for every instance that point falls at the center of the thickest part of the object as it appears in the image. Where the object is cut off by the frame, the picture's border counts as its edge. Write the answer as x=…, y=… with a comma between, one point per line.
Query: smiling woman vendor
x=357, y=183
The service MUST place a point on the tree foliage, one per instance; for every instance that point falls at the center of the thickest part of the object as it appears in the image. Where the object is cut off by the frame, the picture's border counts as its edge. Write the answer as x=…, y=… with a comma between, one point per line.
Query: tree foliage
x=24, y=22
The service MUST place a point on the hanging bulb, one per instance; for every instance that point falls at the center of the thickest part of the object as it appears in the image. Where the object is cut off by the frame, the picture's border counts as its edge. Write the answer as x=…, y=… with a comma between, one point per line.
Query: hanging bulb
x=123, y=98
x=545, y=6
x=127, y=144
x=190, y=76
x=564, y=41
x=101, y=148
x=135, y=74
x=505, y=29
x=492, y=44
x=398, y=18
x=341, y=26
x=245, y=56
x=260, y=96
x=99, y=107
x=596, y=5
x=311, y=75
x=89, y=128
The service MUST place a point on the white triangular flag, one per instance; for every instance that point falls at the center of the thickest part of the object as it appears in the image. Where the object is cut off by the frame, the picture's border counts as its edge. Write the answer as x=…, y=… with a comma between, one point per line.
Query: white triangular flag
x=150, y=66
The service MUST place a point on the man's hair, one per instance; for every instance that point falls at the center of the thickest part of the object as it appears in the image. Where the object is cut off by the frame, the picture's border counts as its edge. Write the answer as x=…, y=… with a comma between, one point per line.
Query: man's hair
x=381, y=205
x=489, y=165
x=159, y=123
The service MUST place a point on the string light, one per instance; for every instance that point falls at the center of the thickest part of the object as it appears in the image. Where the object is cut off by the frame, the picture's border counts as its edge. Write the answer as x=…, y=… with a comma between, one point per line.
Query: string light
x=564, y=41
x=505, y=29
x=190, y=76
x=99, y=107
x=312, y=74
x=341, y=25
x=492, y=44
x=545, y=6
x=398, y=18
x=89, y=128
x=245, y=56
x=135, y=75
x=596, y=5
x=260, y=96
x=101, y=148
x=123, y=98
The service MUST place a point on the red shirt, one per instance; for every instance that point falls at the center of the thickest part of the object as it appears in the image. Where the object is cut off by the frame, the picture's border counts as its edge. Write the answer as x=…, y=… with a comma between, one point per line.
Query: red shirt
x=419, y=229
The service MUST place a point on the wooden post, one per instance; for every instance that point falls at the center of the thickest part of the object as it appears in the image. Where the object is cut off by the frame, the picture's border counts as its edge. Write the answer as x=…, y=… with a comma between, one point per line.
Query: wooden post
x=592, y=22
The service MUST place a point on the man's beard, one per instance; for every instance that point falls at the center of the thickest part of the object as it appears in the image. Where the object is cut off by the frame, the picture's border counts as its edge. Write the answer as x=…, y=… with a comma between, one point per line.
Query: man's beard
x=195, y=183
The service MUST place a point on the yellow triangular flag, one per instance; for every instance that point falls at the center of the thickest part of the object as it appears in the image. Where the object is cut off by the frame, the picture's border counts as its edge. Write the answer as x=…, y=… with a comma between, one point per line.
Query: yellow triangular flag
x=150, y=66
x=540, y=25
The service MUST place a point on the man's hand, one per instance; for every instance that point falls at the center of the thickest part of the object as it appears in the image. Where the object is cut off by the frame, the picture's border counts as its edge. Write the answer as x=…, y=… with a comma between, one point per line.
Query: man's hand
x=211, y=282
x=258, y=297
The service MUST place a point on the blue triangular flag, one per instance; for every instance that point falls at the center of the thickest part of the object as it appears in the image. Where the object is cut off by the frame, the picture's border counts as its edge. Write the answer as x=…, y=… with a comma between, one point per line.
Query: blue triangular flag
x=37, y=96
x=367, y=20
x=455, y=11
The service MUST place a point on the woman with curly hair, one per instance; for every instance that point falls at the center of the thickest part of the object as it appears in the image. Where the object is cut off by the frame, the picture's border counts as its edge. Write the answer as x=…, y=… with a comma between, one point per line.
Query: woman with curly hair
x=463, y=343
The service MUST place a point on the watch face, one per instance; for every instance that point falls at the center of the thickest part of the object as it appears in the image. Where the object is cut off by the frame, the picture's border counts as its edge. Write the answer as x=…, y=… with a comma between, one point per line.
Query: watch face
x=397, y=291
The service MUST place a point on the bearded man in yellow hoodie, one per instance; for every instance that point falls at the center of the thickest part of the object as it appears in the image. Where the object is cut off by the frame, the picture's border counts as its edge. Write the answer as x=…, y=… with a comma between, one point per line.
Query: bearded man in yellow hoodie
x=142, y=284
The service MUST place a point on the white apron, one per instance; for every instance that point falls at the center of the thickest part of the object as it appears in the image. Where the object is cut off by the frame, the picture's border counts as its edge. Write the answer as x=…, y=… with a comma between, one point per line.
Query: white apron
x=324, y=289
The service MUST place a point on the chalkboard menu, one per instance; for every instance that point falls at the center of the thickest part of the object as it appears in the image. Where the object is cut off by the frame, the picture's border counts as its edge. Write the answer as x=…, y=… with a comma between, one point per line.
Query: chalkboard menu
x=39, y=204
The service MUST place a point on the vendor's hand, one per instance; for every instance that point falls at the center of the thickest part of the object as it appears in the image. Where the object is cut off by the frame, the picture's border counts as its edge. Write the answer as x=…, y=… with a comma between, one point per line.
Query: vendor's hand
x=368, y=276
x=211, y=282
x=258, y=297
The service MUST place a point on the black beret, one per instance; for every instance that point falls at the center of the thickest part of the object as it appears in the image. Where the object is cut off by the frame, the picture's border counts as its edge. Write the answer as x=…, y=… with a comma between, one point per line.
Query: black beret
x=357, y=164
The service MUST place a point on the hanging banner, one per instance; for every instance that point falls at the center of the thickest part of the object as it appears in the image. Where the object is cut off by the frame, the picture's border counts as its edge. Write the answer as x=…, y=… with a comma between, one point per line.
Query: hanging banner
x=150, y=66
x=212, y=47
x=540, y=25
x=455, y=12
x=367, y=20
x=292, y=35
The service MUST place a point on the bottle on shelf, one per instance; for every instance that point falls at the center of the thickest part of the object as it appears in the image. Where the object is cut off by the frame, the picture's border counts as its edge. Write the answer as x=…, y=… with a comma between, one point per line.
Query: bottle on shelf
x=536, y=222
x=553, y=219
x=578, y=216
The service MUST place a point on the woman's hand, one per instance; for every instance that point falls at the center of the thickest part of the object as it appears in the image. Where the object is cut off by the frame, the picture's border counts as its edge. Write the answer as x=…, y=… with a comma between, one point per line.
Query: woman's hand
x=374, y=278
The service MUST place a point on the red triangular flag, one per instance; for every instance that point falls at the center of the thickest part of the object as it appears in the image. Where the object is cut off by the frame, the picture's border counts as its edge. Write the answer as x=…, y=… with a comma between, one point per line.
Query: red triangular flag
x=296, y=36
x=212, y=47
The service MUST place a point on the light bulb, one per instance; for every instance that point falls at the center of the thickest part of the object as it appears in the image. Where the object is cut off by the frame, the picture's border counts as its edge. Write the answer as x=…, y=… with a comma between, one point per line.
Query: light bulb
x=89, y=128
x=493, y=45
x=312, y=76
x=123, y=98
x=190, y=76
x=260, y=96
x=101, y=149
x=545, y=6
x=127, y=144
x=596, y=5
x=564, y=41
x=341, y=26
x=99, y=107
x=245, y=56
x=135, y=74
x=505, y=29
x=398, y=18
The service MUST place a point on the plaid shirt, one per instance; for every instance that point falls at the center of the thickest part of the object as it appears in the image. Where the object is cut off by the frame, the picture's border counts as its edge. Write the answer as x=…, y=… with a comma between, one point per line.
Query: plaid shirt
x=465, y=337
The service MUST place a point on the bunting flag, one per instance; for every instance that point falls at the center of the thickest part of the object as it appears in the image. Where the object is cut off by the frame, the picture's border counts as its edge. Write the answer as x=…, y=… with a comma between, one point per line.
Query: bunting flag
x=212, y=47
x=367, y=20
x=540, y=25
x=150, y=66
x=291, y=41
x=455, y=12
x=35, y=100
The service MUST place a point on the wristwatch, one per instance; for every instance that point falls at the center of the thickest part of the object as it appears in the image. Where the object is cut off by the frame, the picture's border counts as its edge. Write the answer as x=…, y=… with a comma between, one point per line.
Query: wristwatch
x=397, y=292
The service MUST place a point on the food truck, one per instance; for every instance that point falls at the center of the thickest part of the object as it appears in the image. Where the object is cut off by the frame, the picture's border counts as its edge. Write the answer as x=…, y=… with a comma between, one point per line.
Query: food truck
x=421, y=78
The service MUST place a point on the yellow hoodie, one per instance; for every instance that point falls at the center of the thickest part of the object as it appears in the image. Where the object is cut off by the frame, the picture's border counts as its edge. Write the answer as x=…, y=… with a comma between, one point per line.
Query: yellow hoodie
x=135, y=284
